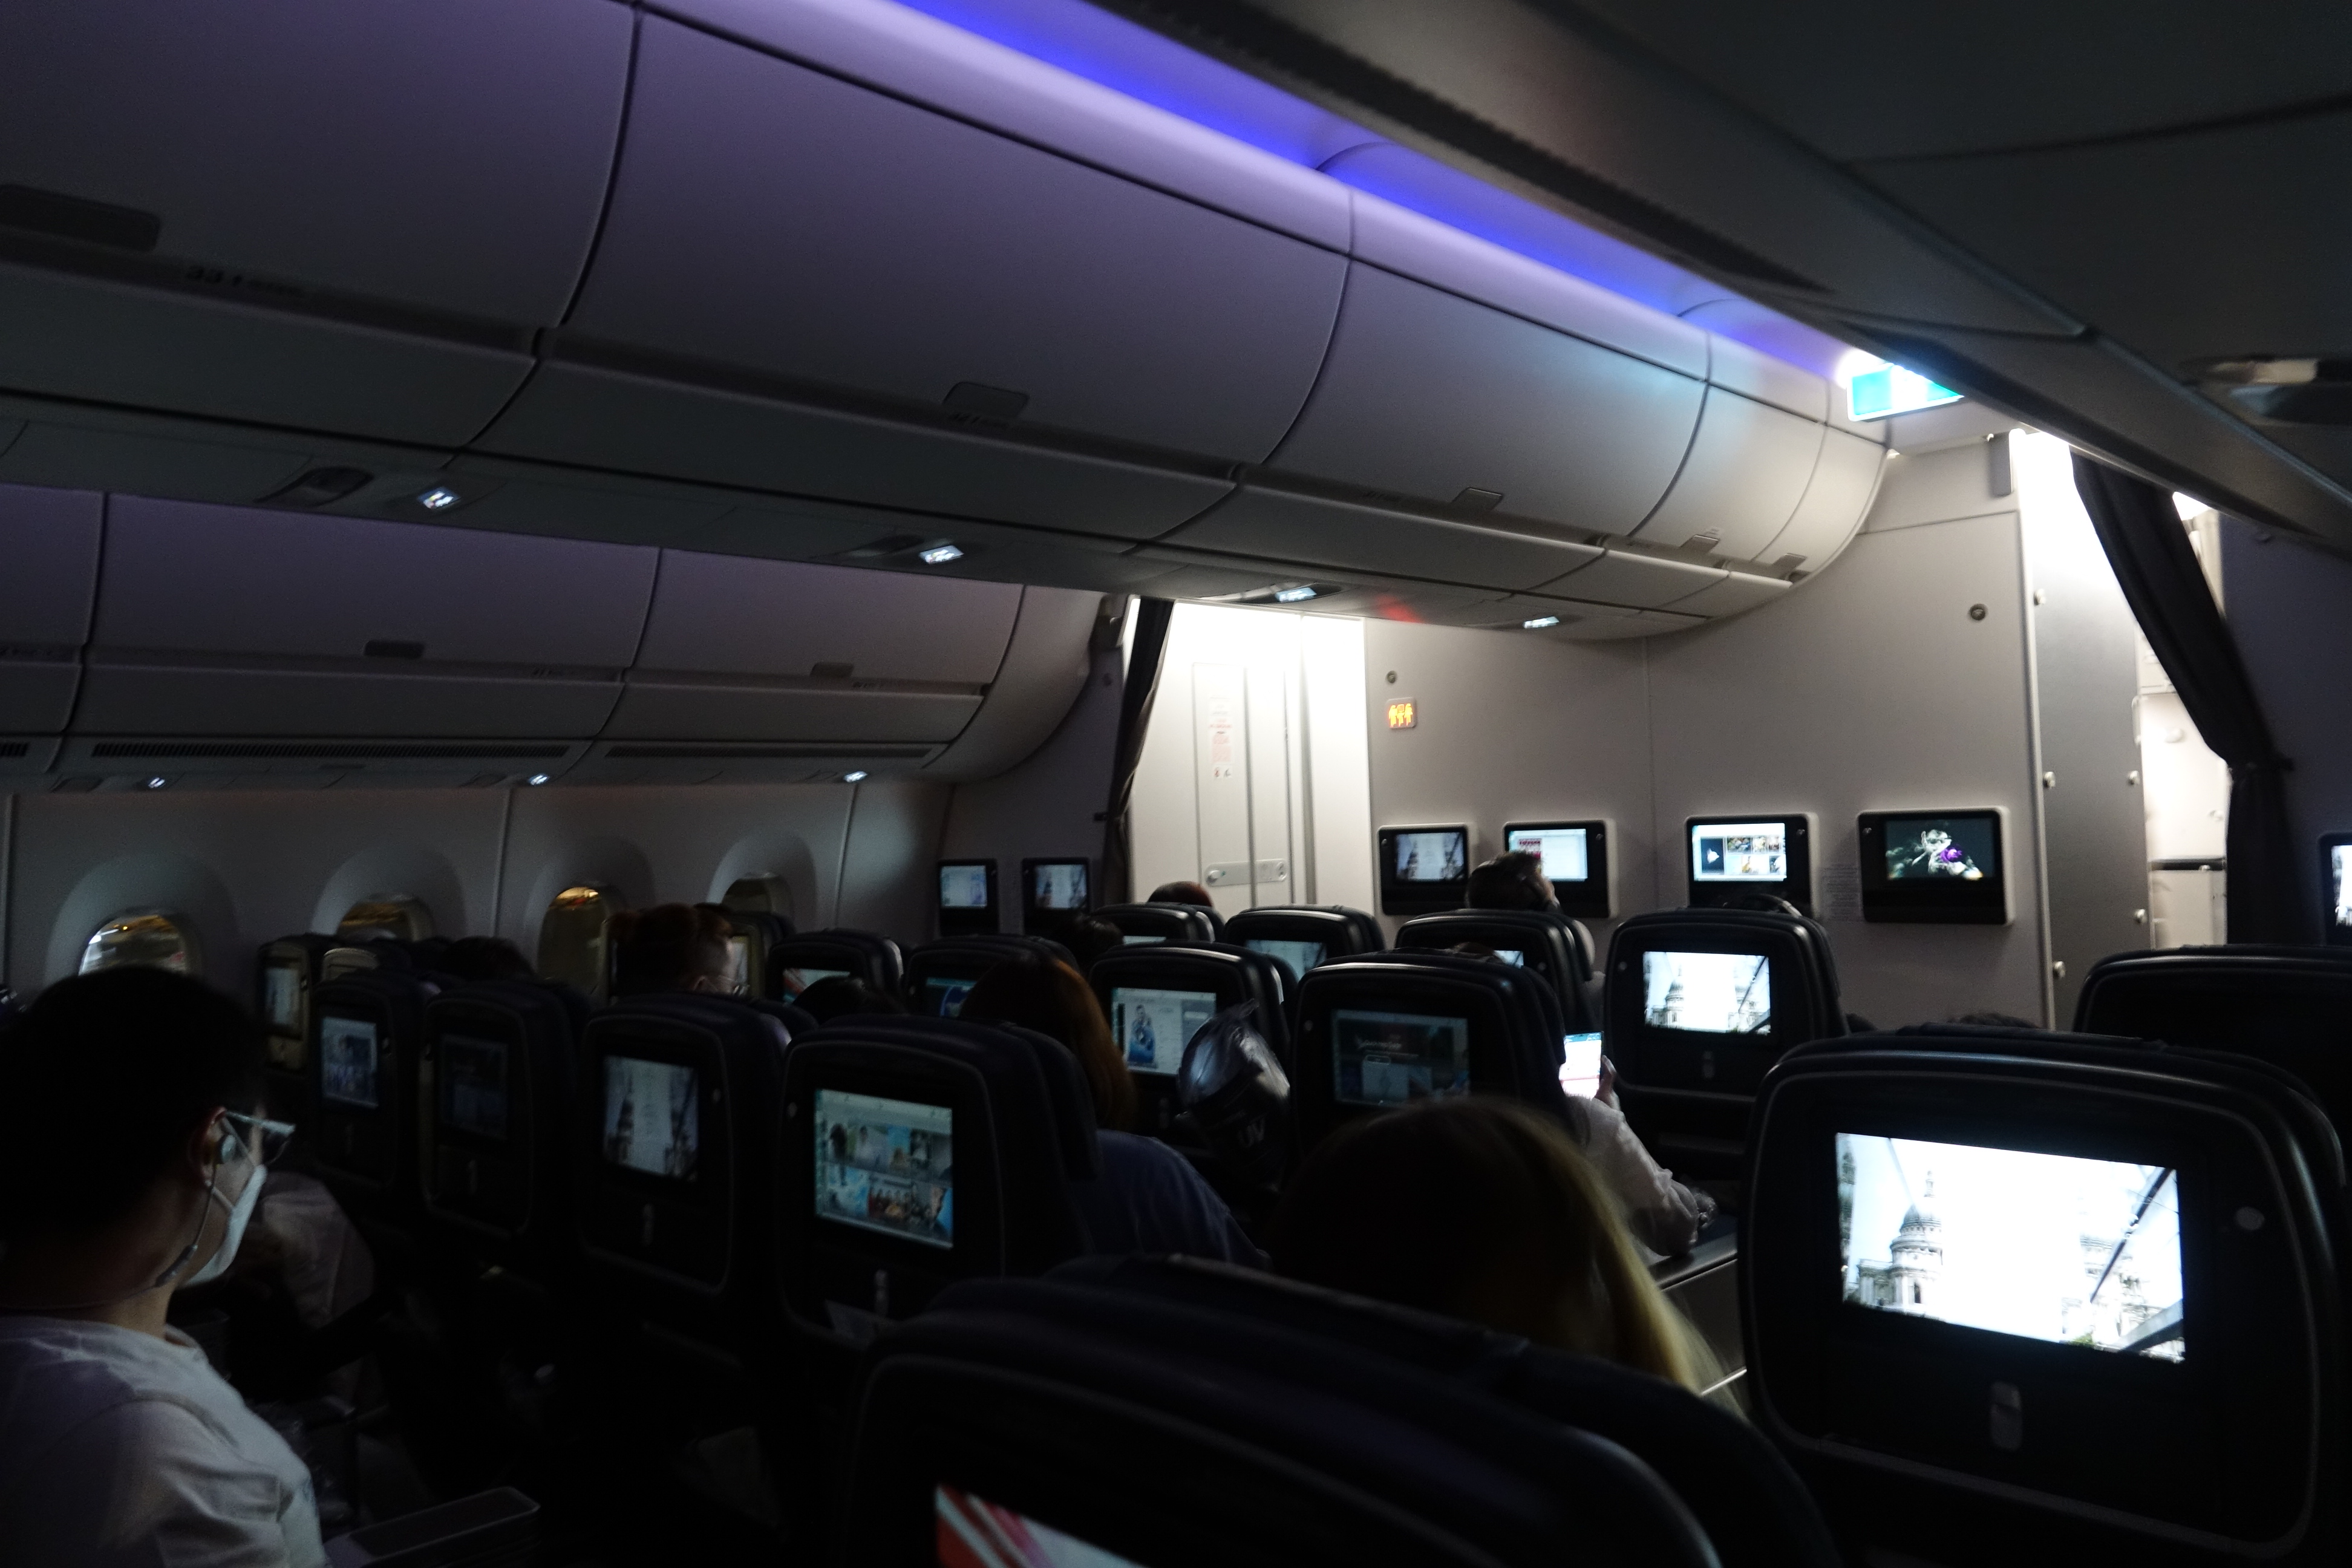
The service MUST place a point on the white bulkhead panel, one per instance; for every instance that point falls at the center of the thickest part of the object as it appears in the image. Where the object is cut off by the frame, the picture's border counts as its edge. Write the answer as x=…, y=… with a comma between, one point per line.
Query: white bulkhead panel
x=1431, y=394
x=417, y=178
x=1747, y=469
x=741, y=650
x=239, y=620
x=774, y=217
x=48, y=575
x=1845, y=483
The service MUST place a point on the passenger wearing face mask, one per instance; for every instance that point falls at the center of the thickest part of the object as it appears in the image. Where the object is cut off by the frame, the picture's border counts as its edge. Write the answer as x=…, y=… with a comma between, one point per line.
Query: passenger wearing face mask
x=138, y=1156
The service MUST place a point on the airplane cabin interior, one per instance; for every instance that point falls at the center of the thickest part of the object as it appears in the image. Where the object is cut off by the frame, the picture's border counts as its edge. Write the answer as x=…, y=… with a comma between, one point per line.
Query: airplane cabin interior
x=1130, y=784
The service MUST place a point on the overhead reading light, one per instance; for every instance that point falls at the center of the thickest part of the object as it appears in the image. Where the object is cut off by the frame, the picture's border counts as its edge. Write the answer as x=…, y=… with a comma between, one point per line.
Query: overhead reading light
x=539, y=778
x=938, y=555
x=156, y=784
x=2283, y=389
x=440, y=497
x=853, y=775
x=1540, y=623
x=1294, y=595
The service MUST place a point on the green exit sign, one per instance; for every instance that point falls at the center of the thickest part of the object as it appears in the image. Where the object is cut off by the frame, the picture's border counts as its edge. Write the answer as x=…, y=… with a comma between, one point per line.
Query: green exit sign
x=1890, y=389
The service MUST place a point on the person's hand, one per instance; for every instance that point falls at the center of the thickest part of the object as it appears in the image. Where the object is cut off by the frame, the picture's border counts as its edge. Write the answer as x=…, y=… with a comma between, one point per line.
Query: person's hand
x=1607, y=1093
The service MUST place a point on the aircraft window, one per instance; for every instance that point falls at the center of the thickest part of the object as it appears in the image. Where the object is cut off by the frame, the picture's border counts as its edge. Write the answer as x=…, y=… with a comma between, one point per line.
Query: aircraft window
x=394, y=915
x=761, y=893
x=572, y=938
x=160, y=941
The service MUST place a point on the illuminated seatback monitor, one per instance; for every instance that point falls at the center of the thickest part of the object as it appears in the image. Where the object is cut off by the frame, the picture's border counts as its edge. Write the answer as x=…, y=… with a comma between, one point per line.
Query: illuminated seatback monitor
x=1395, y=1058
x=886, y=1166
x=1153, y=1026
x=1424, y=869
x=1576, y=861
x=653, y=1117
x=348, y=1052
x=1934, y=868
x=966, y=897
x=1732, y=857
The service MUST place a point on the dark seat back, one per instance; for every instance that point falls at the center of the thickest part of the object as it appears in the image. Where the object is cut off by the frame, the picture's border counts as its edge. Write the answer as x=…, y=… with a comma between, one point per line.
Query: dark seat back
x=917, y=1151
x=1164, y=922
x=941, y=973
x=1156, y=997
x=1304, y=935
x=367, y=1032
x=2287, y=1006
x=1699, y=1003
x=285, y=972
x=1552, y=946
x=2076, y=1291
x=754, y=935
x=1163, y=1432
x=495, y=1096
x=1390, y=1027
x=796, y=962
x=1752, y=1504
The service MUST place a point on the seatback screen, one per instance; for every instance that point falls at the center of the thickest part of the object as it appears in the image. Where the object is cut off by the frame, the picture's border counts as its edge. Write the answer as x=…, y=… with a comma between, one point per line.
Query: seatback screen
x=1058, y=885
x=972, y=1533
x=1152, y=1027
x=1566, y=852
x=281, y=997
x=1707, y=992
x=943, y=994
x=474, y=1084
x=739, y=964
x=799, y=979
x=1438, y=856
x=2339, y=878
x=346, y=1061
x=1739, y=852
x=2046, y=1246
x=1301, y=956
x=1515, y=956
x=963, y=887
x=652, y=1116
x=1962, y=846
x=887, y=1165
x=1392, y=1059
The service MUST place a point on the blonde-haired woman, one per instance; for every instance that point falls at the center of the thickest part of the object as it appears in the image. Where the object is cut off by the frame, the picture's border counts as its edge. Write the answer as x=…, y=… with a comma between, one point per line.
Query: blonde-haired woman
x=1479, y=1209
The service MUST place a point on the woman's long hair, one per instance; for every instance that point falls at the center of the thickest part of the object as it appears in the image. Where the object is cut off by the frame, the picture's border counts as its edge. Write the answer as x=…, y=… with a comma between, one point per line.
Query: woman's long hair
x=1051, y=997
x=1479, y=1209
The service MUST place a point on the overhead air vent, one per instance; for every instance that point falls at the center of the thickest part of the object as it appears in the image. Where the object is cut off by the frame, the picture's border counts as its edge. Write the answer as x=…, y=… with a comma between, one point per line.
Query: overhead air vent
x=14, y=748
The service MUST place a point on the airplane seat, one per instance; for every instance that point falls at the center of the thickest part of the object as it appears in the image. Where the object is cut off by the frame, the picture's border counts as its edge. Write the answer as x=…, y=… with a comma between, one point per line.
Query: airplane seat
x=939, y=974
x=1156, y=997
x=755, y=935
x=285, y=972
x=2288, y=1005
x=2009, y=1286
x=1752, y=1504
x=1699, y=1003
x=1388, y=1029
x=495, y=1092
x=1550, y=945
x=1304, y=935
x=800, y=961
x=1087, y=1428
x=1141, y=923
x=367, y=1036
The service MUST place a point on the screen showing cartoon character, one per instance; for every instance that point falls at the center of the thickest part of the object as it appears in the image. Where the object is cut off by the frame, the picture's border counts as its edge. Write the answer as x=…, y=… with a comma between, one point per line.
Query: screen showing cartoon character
x=1961, y=848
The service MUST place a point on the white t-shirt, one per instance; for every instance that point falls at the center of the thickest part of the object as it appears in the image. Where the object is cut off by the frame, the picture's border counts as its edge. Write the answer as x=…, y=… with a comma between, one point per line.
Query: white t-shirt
x=121, y=1450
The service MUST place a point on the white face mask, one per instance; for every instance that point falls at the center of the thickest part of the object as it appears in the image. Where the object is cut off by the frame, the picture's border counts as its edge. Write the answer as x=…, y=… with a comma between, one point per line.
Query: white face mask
x=239, y=1212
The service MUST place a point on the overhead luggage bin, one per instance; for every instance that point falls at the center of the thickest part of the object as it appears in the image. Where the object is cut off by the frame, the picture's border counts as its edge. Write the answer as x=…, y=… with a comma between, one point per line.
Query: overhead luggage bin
x=1432, y=395
x=1284, y=525
x=1845, y=483
x=773, y=217
x=49, y=539
x=1747, y=470
x=346, y=217
x=1638, y=582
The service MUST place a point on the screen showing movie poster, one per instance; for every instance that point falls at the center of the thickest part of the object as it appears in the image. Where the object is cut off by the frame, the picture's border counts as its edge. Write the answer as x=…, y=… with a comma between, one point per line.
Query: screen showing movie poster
x=1740, y=852
x=887, y=1165
x=972, y=1533
x=1566, y=857
x=963, y=887
x=347, y=1050
x=1963, y=849
x=1442, y=856
x=1707, y=992
x=653, y=1117
x=2046, y=1246
x=1395, y=1058
x=474, y=1079
x=1059, y=885
x=1301, y=956
x=1152, y=1027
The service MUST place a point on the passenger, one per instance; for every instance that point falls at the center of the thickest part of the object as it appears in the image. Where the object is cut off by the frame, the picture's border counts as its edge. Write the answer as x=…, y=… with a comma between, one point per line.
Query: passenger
x=139, y=1160
x=1479, y=1209
x=1665, y=1214
x=1148, y=1197
x=1182, y=893
x=478, y=958
x=847, y=995
x=671, y=947
x=1089, y=937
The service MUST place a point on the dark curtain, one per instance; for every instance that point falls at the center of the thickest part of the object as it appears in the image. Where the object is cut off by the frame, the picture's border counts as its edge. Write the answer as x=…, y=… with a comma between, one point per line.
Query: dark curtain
x=1146, y=646
x=2148, y=548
